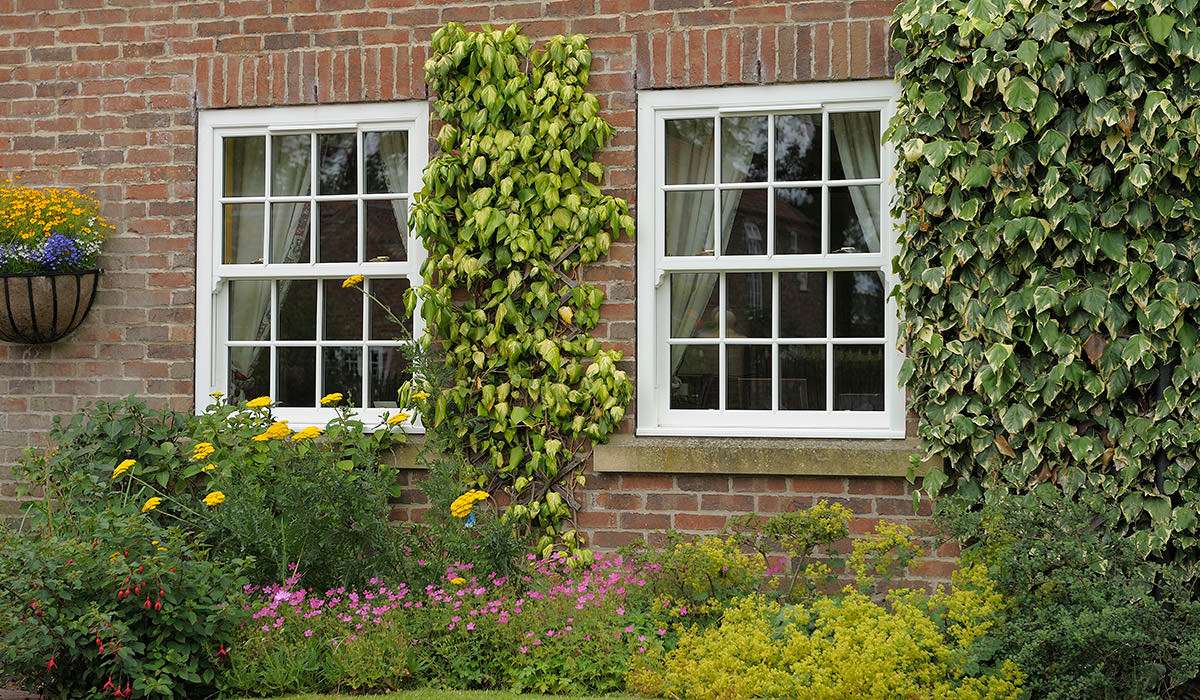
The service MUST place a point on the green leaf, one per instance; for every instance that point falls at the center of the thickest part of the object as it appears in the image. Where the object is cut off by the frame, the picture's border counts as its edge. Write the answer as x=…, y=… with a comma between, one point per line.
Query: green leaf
x=1020, y=94
x=1160, y=27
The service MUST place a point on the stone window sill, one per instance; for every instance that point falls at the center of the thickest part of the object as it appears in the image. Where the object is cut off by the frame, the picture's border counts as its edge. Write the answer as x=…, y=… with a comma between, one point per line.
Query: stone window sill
x=756, y=456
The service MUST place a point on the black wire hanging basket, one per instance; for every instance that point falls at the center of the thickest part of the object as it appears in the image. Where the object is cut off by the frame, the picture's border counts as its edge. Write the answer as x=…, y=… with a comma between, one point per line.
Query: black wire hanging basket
x=42, y=307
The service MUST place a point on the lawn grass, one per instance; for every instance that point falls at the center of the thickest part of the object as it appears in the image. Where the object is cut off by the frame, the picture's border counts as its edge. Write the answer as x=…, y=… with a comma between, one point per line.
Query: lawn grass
x=432, y=694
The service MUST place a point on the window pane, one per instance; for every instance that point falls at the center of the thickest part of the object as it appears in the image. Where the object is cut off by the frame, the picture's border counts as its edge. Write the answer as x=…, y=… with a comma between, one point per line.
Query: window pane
x=243, y=234
x=858, y=377
x=744, y=149
x=391, y=293
x=245, y=163
x=296, y=377
x=343, y=373
x=748, y=377
x=689, y=151
x=385, y=161
x=854, y=219
x=249, y=373
x=748, y=305
x=343, y=312
x=802, y=377
x=337, y=164
x=695, y=305
x=249, y=310
x=798, y=147
x=290, y=171
x=389, y=369
x=290, y=232
x=797, y=221
x=337, y=231
x=694, y=376
x=297, y=309
x=854, y=148
x=802, y=305
x=689, y=223
x=858, y=304
x=744, y=222
x=385, y=230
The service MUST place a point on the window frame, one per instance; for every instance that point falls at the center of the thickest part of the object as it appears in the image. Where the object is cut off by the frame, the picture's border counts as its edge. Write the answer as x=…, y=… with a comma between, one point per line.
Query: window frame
x=213, y=275
x=654, y=415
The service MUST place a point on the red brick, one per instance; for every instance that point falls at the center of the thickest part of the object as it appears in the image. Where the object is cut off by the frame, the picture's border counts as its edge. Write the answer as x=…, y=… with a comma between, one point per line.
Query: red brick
x=699, y=523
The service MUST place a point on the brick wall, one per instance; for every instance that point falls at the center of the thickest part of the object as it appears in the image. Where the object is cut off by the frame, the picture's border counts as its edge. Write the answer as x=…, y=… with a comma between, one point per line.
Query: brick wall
x=103, y=95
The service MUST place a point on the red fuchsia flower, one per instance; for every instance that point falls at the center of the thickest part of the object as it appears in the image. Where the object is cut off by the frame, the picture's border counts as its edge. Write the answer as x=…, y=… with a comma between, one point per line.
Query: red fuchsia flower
x=108, y=684
x=51, y=664
x=222, y=652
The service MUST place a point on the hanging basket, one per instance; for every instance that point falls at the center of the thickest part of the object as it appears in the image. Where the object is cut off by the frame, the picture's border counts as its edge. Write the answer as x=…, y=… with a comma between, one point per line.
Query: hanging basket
x=44, y=307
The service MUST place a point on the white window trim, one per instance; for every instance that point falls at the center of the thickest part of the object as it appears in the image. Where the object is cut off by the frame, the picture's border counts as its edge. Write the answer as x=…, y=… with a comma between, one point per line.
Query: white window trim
x=212, y=275
x=654, y=415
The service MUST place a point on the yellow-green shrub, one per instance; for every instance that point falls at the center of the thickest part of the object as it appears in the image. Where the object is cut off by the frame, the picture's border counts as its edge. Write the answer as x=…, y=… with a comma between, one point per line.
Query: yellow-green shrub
x=913, y=646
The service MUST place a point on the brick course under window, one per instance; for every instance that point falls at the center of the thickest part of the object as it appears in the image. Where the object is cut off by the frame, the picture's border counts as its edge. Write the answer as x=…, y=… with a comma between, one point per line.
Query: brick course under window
x=104, y=96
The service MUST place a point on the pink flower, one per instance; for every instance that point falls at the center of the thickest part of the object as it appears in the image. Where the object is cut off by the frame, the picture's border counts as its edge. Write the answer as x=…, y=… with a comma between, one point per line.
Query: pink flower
x=470, y=626
x=308, y=633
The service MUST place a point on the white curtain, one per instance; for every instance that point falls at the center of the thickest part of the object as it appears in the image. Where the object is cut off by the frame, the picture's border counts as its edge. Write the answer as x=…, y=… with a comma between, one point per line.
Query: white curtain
x=857, y=137
x=393, y=153
x=290, y=221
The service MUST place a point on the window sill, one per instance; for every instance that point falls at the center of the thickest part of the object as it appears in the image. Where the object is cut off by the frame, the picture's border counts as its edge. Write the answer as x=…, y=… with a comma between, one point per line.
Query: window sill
x=757, y=456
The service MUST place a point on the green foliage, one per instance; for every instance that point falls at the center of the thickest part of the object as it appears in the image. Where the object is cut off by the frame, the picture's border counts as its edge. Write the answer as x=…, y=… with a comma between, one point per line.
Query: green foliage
x=320, y=500
x=1049, y=189
x=510, y=212
x=115, y=604
x=915, y=646
x=801, y=535
x=1083, y=617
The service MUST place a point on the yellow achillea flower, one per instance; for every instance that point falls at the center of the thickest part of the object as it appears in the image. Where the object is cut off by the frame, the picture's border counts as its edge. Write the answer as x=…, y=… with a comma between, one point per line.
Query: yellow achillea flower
x=308, y=433
x=420, y=395
x=151, y=503
x=328, y=399
x=123, y=467
x=458, y=580
x=352, y=281
x=464, y=504
x=276, y=431
x=209, y=467
x=214, y=499
x=398, y=418
x=260, y=402
x=202, y=450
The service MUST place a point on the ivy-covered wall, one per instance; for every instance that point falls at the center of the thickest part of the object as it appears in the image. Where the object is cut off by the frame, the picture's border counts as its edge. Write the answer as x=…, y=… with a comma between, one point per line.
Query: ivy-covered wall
x=1049, y=179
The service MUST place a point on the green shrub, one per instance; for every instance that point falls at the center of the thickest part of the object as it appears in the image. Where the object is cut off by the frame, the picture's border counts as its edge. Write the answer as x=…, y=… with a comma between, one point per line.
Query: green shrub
x=915, y=646
x=117, y=604
x=1086, y=615
x=233, y=475
x=1048, y=189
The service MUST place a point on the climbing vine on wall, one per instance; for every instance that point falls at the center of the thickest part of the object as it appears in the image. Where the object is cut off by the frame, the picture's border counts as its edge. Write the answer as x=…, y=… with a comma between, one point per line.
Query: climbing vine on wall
x=510, y=212
x=1049, y=189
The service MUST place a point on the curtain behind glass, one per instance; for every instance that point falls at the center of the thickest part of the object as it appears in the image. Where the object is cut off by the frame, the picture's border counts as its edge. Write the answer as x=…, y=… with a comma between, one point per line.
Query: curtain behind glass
x=857, y=137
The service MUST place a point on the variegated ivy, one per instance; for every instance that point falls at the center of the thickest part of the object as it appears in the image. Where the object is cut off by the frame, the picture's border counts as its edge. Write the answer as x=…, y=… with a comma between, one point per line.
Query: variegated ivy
x=510, y=212
x=1049, y=194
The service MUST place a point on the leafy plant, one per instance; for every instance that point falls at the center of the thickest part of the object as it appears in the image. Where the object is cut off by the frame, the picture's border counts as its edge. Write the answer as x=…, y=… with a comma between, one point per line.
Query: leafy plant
x=1048, y=193
x=914, y=646
x=1085, y=615
x=510, y=212
x=115, y=607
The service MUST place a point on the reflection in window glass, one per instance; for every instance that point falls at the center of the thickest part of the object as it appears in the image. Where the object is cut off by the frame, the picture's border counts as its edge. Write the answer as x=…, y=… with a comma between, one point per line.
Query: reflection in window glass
x=695, y=305
x=689, y=223
x=797, y=221
x=296, y=377
x=243, y=234
x=337, y=232
x=858, y=377
x=343, y=311
x=797, y=147
x=802, y=305
x=343, y=373
x=743, y=149
x=249, y=310
x=748, y=377
x=748, y=302
x=291, y=173
x=337, y=164
x=297, y=308
x=249, y=373
x=854, y=219
x=385, y=230
x=244, y=166
x=694, y=373
x=744, y=222
x=391, y=293
x=385, y=161
x=689, y=151
x=855, y=145
x=858, y=305
x=802, y=377
x=389, y=369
